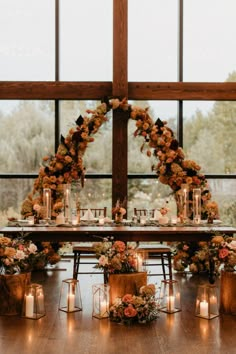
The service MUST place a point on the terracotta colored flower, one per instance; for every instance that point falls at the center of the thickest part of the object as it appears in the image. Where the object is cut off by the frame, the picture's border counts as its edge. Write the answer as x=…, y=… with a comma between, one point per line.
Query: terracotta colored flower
x=128, y=298
x=130, y=311
x=223, y=253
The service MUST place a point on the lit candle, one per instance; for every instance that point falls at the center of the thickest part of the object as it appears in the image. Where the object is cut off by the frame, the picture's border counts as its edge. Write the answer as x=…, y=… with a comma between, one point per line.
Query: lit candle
x=213, y=304
x=40, y=302
x=71, y=302
x=204, y=308
x=170, y=303
x=139, y=263
x=47, y=205
x=67, y=194
x=197, y=211
x=103, y=308
x=29, y=306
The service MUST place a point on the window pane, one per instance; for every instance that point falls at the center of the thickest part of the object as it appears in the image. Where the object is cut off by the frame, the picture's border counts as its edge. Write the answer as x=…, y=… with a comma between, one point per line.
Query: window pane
x=96, y=194
x=26, y=135
x=224, y=193
x=98, y=154
x=12, y=194
x=152, y=40
x=138, y=162
x=209, y=34
x=149, y=194
x=27, y=32
x=86, y=40
x=209, y=135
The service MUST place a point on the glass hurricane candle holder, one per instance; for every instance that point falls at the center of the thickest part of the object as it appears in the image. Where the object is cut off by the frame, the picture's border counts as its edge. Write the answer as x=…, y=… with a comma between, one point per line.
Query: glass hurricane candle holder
x=170, y=297
x=70, y=297
x=33, y=306
x=207, y=305
x=47, y=202
x=197, y=205
x=101, y=301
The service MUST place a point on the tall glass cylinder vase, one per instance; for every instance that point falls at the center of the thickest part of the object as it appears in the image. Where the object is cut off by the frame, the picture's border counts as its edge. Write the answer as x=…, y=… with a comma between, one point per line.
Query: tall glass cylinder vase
x=47, y=202
x=67, y=202
x=197, y=205
x=75, y=203
x=182, y=198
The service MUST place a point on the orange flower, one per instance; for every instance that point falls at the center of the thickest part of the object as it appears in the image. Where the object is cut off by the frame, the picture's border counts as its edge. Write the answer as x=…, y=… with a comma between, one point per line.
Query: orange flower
x=130, y=311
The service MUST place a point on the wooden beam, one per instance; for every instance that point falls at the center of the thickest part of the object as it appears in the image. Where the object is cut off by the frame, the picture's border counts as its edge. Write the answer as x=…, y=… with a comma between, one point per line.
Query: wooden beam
x=182, y=91
x=50, y=90
x=120, y=49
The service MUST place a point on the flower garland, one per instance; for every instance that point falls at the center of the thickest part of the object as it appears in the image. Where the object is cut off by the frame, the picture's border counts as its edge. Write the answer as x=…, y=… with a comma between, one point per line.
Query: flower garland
x=67, y=164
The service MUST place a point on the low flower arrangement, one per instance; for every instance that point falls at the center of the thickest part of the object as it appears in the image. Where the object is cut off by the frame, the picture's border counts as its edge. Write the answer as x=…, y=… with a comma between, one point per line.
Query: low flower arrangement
x=136, y=308
x=18, y=256
x=119, y=208
x=115, y=257
x=198, y=255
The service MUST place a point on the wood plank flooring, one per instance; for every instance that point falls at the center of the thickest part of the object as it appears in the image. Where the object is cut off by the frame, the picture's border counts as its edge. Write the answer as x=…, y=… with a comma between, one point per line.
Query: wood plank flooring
x=75, y=333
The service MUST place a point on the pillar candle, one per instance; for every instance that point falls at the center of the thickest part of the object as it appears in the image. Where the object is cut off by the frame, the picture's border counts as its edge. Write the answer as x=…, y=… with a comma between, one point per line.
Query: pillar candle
x=29, y=306
x=170, y=303
x=204, y=308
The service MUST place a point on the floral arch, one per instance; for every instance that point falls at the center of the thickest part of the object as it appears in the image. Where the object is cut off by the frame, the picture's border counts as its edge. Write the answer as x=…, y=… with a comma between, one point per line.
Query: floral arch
x=67, y=164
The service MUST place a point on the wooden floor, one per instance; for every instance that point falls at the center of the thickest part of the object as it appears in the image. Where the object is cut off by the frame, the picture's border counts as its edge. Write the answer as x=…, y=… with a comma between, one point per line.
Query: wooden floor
x=62, y=333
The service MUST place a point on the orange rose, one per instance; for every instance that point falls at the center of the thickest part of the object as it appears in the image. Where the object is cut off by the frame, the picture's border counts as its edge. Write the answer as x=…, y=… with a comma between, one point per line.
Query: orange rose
x=130, y=311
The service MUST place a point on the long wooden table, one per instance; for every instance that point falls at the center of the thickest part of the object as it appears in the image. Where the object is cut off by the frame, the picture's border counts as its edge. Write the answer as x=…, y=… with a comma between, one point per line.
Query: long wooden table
x=122, y=232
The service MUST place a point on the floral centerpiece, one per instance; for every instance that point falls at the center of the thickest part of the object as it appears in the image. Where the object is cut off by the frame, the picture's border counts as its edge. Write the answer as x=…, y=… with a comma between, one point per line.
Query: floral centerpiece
x=198, y=255
x=115, y=257
x=130, y=308
x=18, y=256
x=119, y=210
x=223, y=251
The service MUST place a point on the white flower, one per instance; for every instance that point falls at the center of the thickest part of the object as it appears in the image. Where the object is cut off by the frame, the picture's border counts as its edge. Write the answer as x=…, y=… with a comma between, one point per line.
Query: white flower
x=20, y=255
x=232, y=245
x=32, y=248
x=103, y=260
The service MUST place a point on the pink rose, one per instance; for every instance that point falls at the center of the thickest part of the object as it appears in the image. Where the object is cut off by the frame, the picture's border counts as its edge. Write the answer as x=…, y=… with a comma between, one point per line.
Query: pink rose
x=128, y=298
x=130, y=311
x=223, y=252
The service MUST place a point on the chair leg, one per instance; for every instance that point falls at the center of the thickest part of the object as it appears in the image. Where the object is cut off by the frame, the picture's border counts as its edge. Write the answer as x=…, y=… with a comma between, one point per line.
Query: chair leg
x=163, y=266
x=170, y=265
x=76, y=264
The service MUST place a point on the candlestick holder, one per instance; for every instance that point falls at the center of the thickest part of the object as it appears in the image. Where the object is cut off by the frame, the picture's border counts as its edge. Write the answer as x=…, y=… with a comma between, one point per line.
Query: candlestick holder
x=197, y=205
x=207, y=305
x=47, y=203
x=70, y=297
x=33, y=306
x=170, y=296
x=101, y=301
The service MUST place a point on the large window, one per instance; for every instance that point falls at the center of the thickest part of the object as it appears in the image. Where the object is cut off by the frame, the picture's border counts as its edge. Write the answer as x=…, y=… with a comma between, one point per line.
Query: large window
x=58, y=58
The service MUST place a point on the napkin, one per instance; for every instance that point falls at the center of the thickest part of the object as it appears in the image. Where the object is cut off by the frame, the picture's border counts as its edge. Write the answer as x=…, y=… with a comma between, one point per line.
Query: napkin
x=157, y=214
x=88, y=215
